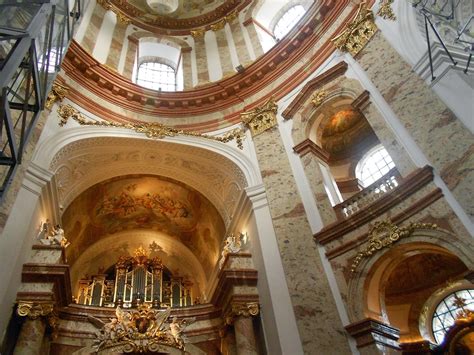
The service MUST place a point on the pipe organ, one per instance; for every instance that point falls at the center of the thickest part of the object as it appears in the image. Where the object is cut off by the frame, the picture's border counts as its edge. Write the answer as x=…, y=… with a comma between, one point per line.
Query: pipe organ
x=135, y=280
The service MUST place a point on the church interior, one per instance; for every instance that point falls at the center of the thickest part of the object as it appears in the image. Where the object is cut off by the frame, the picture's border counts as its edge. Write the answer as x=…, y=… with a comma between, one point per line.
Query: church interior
x=237, y=177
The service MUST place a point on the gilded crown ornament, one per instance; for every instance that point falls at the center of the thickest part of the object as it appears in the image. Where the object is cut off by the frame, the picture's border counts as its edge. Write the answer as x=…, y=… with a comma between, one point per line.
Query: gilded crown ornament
x=139, y=331
x=58, y=93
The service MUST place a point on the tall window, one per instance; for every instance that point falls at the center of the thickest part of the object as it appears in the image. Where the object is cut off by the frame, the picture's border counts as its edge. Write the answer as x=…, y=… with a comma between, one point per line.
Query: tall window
x=375, y=164
x=288, y=21
x=449, y=309
x=156, y=76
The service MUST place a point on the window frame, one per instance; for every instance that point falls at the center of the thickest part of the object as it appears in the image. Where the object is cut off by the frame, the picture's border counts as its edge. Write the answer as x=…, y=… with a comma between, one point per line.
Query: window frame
x=139, y=81
x=366, y=158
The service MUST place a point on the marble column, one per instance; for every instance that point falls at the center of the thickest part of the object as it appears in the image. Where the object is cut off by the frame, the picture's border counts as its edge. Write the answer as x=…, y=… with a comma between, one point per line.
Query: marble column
x=441, y=137
x=118, y=39
x=187, y=67
x=312, y=157
x=224, y=53
x=130, y=57
x=239, y=41
x=317, y=318
x=228, y=346
x=201, y=60
x=31, y=337
x=245, y=336
x=251, y=30
x=88, y=41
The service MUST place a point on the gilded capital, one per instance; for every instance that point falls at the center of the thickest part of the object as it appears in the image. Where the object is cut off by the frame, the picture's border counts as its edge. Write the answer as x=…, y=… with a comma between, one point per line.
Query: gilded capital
x=123, y=19
x=242, y=309
x=261, y=118
x=218, y=25
x=358, y=32
x=33, y=310
x=199, y=33
x=58, y=93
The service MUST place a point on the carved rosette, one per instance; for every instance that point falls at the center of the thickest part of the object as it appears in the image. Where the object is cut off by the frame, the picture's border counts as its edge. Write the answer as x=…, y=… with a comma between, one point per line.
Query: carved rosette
x=383, y=235
x=58, y=93
x=358, y=32
x=262, y=118
x=242, y=309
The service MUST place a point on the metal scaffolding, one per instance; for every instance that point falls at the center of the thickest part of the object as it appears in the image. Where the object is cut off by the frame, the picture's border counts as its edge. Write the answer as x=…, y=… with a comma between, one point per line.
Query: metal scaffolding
x=34, y=36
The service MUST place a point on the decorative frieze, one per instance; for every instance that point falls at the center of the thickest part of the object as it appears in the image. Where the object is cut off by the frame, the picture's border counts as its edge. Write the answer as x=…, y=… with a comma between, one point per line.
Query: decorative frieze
x=261, y=118
x=358, y=32
x=151, y=130
x=58, y=93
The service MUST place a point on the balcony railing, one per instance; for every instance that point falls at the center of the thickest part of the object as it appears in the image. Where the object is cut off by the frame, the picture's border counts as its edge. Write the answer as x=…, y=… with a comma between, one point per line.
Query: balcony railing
x=34, y=36
x=370, y=194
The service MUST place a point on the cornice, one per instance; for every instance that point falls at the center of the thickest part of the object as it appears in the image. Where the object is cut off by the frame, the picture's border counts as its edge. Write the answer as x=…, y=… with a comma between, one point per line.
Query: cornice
x=308, y=146
x=57, y=274
x=410, y=185
x=326, y=77
x=176, y=26
x=214, y=97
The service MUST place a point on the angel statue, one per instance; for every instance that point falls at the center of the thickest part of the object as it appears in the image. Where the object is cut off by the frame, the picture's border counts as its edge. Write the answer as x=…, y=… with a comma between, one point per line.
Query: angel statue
x=112, y=331
x=177, y=327
x=58, y=236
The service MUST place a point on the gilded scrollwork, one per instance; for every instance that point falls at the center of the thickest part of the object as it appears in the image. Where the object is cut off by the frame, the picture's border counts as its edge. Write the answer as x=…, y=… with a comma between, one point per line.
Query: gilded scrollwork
x=358, y=32
x=384, y=234
x=58, y=93
x=261, y=118
x=385, y=10
x=151, y=130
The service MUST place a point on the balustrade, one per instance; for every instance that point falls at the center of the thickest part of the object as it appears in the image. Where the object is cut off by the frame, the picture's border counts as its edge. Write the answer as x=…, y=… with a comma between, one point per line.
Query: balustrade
x=368, y=195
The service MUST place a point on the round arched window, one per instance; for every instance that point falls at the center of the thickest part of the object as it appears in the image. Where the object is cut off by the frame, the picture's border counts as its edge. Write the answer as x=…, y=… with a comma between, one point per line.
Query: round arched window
x=375, y=164
x=156, y=76
x=288, y=21
x=455, y=305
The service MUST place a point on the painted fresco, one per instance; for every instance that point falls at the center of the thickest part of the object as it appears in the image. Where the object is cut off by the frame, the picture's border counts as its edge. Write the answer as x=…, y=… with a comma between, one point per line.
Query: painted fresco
x=144, y=203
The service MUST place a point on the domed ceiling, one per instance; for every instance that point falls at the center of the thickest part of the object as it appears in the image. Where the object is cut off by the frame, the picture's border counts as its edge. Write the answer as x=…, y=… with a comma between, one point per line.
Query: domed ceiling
x=138, y=203
x=176, y=14
x=344, y=133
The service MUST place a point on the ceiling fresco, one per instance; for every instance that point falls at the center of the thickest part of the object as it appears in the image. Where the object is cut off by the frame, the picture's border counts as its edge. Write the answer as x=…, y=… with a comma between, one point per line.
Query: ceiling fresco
x=145, y=203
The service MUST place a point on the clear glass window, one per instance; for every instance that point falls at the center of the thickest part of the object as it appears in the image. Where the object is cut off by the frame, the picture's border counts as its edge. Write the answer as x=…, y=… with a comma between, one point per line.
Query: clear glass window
x=375, y=164
x=156, y=76
x=449, y=309
x=288, y=21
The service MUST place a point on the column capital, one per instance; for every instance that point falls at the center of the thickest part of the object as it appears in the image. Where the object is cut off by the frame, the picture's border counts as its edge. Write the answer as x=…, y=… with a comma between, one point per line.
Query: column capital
x=308, y=146
x=34, y=310
x=261, y=118
x=242, y=309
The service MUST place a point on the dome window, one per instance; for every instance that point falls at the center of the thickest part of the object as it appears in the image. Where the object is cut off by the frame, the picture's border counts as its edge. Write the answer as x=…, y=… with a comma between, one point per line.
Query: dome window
x=375, y=164
x=156, y=76
x=289, y=19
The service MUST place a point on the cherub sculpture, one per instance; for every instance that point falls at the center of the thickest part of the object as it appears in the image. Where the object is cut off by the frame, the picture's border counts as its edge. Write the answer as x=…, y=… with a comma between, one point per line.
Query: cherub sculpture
x=177, y=327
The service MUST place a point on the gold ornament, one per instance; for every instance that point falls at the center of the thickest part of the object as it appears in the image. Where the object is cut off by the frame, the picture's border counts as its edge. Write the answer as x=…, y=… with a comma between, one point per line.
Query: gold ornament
x=262, y=118
x=382, y=235
x=58, y=93
x=218, y=25
x=140, y=331
x=318, y=98
x=34, y=310
x=358, y=32
x=199, y=33
x=385, y=10
x=151, y=130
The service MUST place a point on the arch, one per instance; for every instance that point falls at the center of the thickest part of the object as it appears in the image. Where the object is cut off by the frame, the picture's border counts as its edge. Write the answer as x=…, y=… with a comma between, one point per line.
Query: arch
x=364, y=288
x=217, y=170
